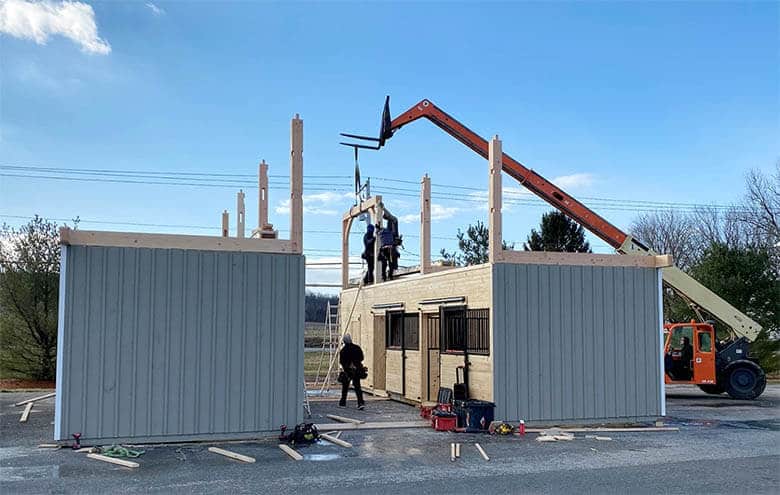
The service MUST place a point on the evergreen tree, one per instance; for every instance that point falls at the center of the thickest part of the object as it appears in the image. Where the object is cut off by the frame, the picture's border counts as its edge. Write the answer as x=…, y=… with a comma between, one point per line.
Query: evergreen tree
x=558, y=233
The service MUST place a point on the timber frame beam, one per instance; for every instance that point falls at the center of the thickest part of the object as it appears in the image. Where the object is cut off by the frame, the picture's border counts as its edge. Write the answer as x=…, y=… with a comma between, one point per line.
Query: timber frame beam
x=497, y=253
x=80, y=237
x=375, y=207
x=582, y=259
x=372, y=206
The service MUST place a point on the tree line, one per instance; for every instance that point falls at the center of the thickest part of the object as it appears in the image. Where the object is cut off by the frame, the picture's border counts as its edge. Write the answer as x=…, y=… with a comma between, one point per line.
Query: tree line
x=734, y=251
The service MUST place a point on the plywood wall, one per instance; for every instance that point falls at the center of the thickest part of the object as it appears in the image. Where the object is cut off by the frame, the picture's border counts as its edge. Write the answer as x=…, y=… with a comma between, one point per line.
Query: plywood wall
x=472, y=282
x=172, y=344
x=576, y=343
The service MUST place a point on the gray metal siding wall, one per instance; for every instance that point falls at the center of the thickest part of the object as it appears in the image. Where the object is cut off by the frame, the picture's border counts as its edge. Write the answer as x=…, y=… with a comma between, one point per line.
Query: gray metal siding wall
x=576, y=343
x=164, y=344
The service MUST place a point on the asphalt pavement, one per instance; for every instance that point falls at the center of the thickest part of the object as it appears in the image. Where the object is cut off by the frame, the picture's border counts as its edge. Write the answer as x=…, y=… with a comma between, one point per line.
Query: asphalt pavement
x=723, y=446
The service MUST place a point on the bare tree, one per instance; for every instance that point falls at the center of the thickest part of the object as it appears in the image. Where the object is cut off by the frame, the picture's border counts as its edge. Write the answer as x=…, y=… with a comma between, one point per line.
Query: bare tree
x=721, y=226
x=669, y=232
x=759, y=213
x=761, y=207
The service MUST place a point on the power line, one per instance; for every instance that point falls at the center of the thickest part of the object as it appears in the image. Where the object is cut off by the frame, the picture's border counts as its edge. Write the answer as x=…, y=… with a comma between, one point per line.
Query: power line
x=157, y=172
x=199, y=227
x=196, y=179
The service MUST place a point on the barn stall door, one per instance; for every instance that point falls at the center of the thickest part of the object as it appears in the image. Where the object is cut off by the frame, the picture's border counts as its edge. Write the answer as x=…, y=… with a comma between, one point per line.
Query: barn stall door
x=403, y=354
x=433, y=368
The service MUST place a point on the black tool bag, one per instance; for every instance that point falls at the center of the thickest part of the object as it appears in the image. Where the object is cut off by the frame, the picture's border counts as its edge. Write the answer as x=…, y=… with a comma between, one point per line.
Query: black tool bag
x=304, y=433
x=460, y=390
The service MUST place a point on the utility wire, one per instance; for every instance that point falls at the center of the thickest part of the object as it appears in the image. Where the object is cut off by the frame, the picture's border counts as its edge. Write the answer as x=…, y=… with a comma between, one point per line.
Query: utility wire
x=178, y=179
x=170, y=172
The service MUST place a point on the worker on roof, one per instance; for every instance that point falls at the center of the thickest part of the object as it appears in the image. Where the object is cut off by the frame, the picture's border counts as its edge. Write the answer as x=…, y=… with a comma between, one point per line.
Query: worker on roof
x=351, y=360
x=368, y=254
x=387, y=253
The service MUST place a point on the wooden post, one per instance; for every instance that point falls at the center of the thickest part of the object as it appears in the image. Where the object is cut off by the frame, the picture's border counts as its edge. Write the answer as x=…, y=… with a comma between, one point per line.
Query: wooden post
x=296, y=183
x=379, y=213
x=262, y=196
x=346, y=225
x=225, y=224
x=494, y=199
x=240, y=214
x=425, y=225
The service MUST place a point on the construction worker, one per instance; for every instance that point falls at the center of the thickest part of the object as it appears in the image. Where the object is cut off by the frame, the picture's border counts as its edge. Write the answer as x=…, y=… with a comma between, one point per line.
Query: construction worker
x=351, y=360
x=387, y=252
x=686, y=357
x=368, y=253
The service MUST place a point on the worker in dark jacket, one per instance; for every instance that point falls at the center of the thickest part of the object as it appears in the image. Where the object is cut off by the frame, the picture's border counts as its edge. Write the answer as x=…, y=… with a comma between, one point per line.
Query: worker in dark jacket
x=368, y=254
x=387, y=252
x=351, y=360
x=686, y=357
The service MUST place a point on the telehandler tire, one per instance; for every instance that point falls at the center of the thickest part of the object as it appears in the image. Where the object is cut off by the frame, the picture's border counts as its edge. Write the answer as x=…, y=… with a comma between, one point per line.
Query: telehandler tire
x=745, y=380
x=712, y=389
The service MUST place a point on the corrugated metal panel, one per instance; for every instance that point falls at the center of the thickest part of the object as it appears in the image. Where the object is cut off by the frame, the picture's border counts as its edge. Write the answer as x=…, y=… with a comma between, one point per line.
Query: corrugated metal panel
x=164, y=344
x=576, y=343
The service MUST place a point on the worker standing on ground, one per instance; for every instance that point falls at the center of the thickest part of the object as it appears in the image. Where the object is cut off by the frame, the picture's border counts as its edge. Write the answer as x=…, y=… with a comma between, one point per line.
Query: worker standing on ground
x=368, y=253
x=387, y=252
x=351, y=360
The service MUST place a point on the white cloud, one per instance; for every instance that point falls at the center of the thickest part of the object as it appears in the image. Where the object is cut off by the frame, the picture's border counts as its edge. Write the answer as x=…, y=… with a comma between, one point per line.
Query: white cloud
x=319, y=203
x=574, y=181
x=480, y=199
x=409, y=218
x=568, y=183
x=438, y=212
x=38, y=21
x=158, y=11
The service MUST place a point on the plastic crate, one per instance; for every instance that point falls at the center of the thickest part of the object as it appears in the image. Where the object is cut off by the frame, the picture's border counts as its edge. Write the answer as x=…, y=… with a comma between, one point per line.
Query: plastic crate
x=426, y=410
x=444, y=423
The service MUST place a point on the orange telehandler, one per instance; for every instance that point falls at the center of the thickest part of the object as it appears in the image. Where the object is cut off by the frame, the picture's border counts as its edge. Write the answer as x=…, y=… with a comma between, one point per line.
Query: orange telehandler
x=691, y=353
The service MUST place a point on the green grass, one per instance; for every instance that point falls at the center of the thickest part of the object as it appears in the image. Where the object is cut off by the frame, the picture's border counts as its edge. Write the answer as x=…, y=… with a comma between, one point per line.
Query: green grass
x=310, y=362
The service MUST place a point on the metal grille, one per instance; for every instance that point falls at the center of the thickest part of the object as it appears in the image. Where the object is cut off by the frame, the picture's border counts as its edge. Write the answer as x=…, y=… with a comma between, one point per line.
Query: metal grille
x=478, y=325
x=433, y=329
x=465, y=330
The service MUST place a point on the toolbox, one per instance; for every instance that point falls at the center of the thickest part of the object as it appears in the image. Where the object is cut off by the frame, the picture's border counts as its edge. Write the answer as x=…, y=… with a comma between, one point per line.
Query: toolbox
x=474, y=415
x=444, y=421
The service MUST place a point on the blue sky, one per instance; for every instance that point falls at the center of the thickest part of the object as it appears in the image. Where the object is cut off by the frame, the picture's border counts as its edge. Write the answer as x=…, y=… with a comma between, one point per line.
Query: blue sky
x=659, y=102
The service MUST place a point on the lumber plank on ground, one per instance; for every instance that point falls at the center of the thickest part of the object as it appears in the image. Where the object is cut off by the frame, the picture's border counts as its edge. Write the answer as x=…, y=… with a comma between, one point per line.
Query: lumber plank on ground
x=335, y=440
x=113, y=460
x=291, y=452
x=34, y=399
x=380, y=425
x=231, y=454
x=49, y=446
x=482, y=451
x=26, y=412
x=342, y=419
x=336, y=399
x=605, y=430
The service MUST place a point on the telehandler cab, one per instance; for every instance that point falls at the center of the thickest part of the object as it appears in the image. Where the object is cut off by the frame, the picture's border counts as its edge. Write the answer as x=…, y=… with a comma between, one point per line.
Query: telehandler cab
x=716, y=367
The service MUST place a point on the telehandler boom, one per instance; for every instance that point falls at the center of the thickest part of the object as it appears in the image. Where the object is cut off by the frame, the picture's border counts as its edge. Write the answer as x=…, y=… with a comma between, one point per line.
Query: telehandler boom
x=717, y=370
